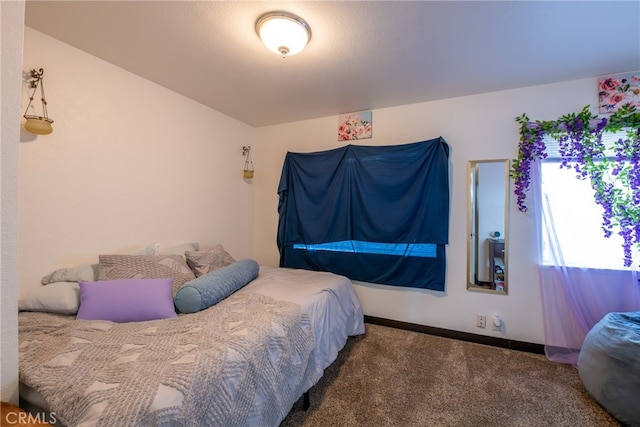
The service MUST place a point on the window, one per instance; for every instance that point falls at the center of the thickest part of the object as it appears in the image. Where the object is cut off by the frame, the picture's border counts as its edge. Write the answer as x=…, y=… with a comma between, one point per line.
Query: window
x=577, y=218
x=377, y=214
x=427, y=250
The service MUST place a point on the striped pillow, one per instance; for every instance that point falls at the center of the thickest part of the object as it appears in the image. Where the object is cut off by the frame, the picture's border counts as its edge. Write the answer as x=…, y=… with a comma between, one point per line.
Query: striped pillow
x=112, y=267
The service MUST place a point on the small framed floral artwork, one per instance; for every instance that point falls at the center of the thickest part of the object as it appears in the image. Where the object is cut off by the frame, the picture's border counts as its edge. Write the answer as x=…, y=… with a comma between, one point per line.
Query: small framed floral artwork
x=616, y=91
x=354, y=126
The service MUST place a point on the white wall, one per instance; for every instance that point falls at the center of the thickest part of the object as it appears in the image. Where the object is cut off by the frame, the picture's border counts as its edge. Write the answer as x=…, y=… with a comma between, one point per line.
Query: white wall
x=11, y=34
x=477, y=128
x=129, y=163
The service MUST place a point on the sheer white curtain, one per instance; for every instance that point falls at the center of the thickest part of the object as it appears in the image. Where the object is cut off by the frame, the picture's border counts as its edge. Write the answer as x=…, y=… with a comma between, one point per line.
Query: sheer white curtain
x=581, y=273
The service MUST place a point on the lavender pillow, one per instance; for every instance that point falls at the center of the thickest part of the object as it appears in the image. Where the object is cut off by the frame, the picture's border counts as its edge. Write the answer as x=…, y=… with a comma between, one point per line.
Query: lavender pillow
x=126, y=300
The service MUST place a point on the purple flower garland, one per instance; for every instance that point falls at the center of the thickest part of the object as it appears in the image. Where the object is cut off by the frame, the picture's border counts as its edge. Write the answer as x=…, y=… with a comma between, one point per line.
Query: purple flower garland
x=615, y=181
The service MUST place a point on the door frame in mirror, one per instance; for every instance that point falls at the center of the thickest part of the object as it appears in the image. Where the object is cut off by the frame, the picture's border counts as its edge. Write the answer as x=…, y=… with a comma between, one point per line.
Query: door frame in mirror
x=473, y=238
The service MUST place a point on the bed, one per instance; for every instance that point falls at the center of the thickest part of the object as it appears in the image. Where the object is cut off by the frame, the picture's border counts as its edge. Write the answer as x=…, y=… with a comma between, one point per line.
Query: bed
x=243, y=361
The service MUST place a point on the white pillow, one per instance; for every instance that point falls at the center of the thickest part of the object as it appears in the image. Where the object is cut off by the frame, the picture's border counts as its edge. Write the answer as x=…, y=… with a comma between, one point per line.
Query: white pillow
x=178, y=249
x=57, y=297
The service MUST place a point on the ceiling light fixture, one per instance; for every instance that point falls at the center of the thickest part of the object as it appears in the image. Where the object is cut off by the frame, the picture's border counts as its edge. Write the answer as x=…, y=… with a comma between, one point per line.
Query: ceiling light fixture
x=283, y=33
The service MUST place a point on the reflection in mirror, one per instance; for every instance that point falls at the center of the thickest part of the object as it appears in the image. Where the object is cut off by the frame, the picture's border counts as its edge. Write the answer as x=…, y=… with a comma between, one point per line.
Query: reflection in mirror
x=487, y=216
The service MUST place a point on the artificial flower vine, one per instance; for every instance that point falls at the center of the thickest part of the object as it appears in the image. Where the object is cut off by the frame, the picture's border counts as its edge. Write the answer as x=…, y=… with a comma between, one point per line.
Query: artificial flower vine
x=614, y=172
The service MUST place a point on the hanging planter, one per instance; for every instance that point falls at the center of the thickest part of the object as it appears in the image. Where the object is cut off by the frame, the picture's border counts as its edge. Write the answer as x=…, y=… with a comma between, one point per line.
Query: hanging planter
x=39, y=125
x=248, y=170
x=615, y=178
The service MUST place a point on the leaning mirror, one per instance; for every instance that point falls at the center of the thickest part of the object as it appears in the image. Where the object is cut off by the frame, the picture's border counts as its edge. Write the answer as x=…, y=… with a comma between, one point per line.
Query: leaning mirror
x=487, y=216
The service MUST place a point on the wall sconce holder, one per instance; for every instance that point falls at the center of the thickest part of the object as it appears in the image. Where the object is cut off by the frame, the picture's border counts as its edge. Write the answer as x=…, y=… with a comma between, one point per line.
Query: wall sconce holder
x=40, y=125
x=248, y=163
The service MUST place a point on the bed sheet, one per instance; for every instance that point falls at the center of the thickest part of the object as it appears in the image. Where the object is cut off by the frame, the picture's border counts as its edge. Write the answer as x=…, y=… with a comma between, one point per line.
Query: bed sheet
x=329, y=299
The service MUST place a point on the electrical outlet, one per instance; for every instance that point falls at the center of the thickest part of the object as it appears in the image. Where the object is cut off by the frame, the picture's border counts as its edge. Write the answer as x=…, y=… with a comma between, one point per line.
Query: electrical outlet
x=496, y=322
x=481, y=320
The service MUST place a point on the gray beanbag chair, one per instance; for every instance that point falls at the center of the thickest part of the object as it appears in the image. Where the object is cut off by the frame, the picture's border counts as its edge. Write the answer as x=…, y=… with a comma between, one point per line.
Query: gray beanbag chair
x=609, y=365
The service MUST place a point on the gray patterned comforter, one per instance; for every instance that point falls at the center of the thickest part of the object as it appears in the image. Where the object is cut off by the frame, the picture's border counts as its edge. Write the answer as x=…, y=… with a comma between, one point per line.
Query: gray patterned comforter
x=241, y=362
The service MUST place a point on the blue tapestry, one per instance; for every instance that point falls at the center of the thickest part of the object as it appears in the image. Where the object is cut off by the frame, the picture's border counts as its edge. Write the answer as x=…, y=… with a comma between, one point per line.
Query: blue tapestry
x=377, y=214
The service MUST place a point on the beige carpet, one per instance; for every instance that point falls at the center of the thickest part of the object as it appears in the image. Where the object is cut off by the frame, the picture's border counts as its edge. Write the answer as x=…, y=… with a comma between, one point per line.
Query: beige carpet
x=391, y=377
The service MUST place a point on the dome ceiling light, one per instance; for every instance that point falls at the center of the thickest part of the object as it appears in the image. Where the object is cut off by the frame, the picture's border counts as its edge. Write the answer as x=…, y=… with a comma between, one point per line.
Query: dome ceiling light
x=283, y=33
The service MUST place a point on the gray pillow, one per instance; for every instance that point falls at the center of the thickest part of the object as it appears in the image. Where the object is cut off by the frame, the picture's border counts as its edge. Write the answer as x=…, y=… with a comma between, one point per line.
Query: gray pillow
x=113, y=267
x=86, y=272
x=203, y=262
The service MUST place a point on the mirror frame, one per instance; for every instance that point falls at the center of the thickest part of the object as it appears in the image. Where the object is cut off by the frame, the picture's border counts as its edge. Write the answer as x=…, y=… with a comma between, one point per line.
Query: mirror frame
x=472, y=221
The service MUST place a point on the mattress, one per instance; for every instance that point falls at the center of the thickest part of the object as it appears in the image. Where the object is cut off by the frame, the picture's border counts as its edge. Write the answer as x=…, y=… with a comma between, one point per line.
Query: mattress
x=328, y=300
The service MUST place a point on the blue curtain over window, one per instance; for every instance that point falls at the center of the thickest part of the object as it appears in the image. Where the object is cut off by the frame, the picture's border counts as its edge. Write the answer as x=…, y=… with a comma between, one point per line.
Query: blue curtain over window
x=374, y=214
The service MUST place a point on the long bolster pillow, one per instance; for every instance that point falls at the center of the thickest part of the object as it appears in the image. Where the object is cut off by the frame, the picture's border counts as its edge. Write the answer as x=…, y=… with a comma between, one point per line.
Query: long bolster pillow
x=213, y=287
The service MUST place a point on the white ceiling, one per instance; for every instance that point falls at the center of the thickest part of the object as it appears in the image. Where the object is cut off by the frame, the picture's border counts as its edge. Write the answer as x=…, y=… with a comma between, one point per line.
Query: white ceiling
x=362, y=55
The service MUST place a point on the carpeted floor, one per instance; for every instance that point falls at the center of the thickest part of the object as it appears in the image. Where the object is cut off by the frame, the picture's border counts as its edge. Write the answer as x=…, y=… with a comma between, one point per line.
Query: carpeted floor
x=391, y=377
